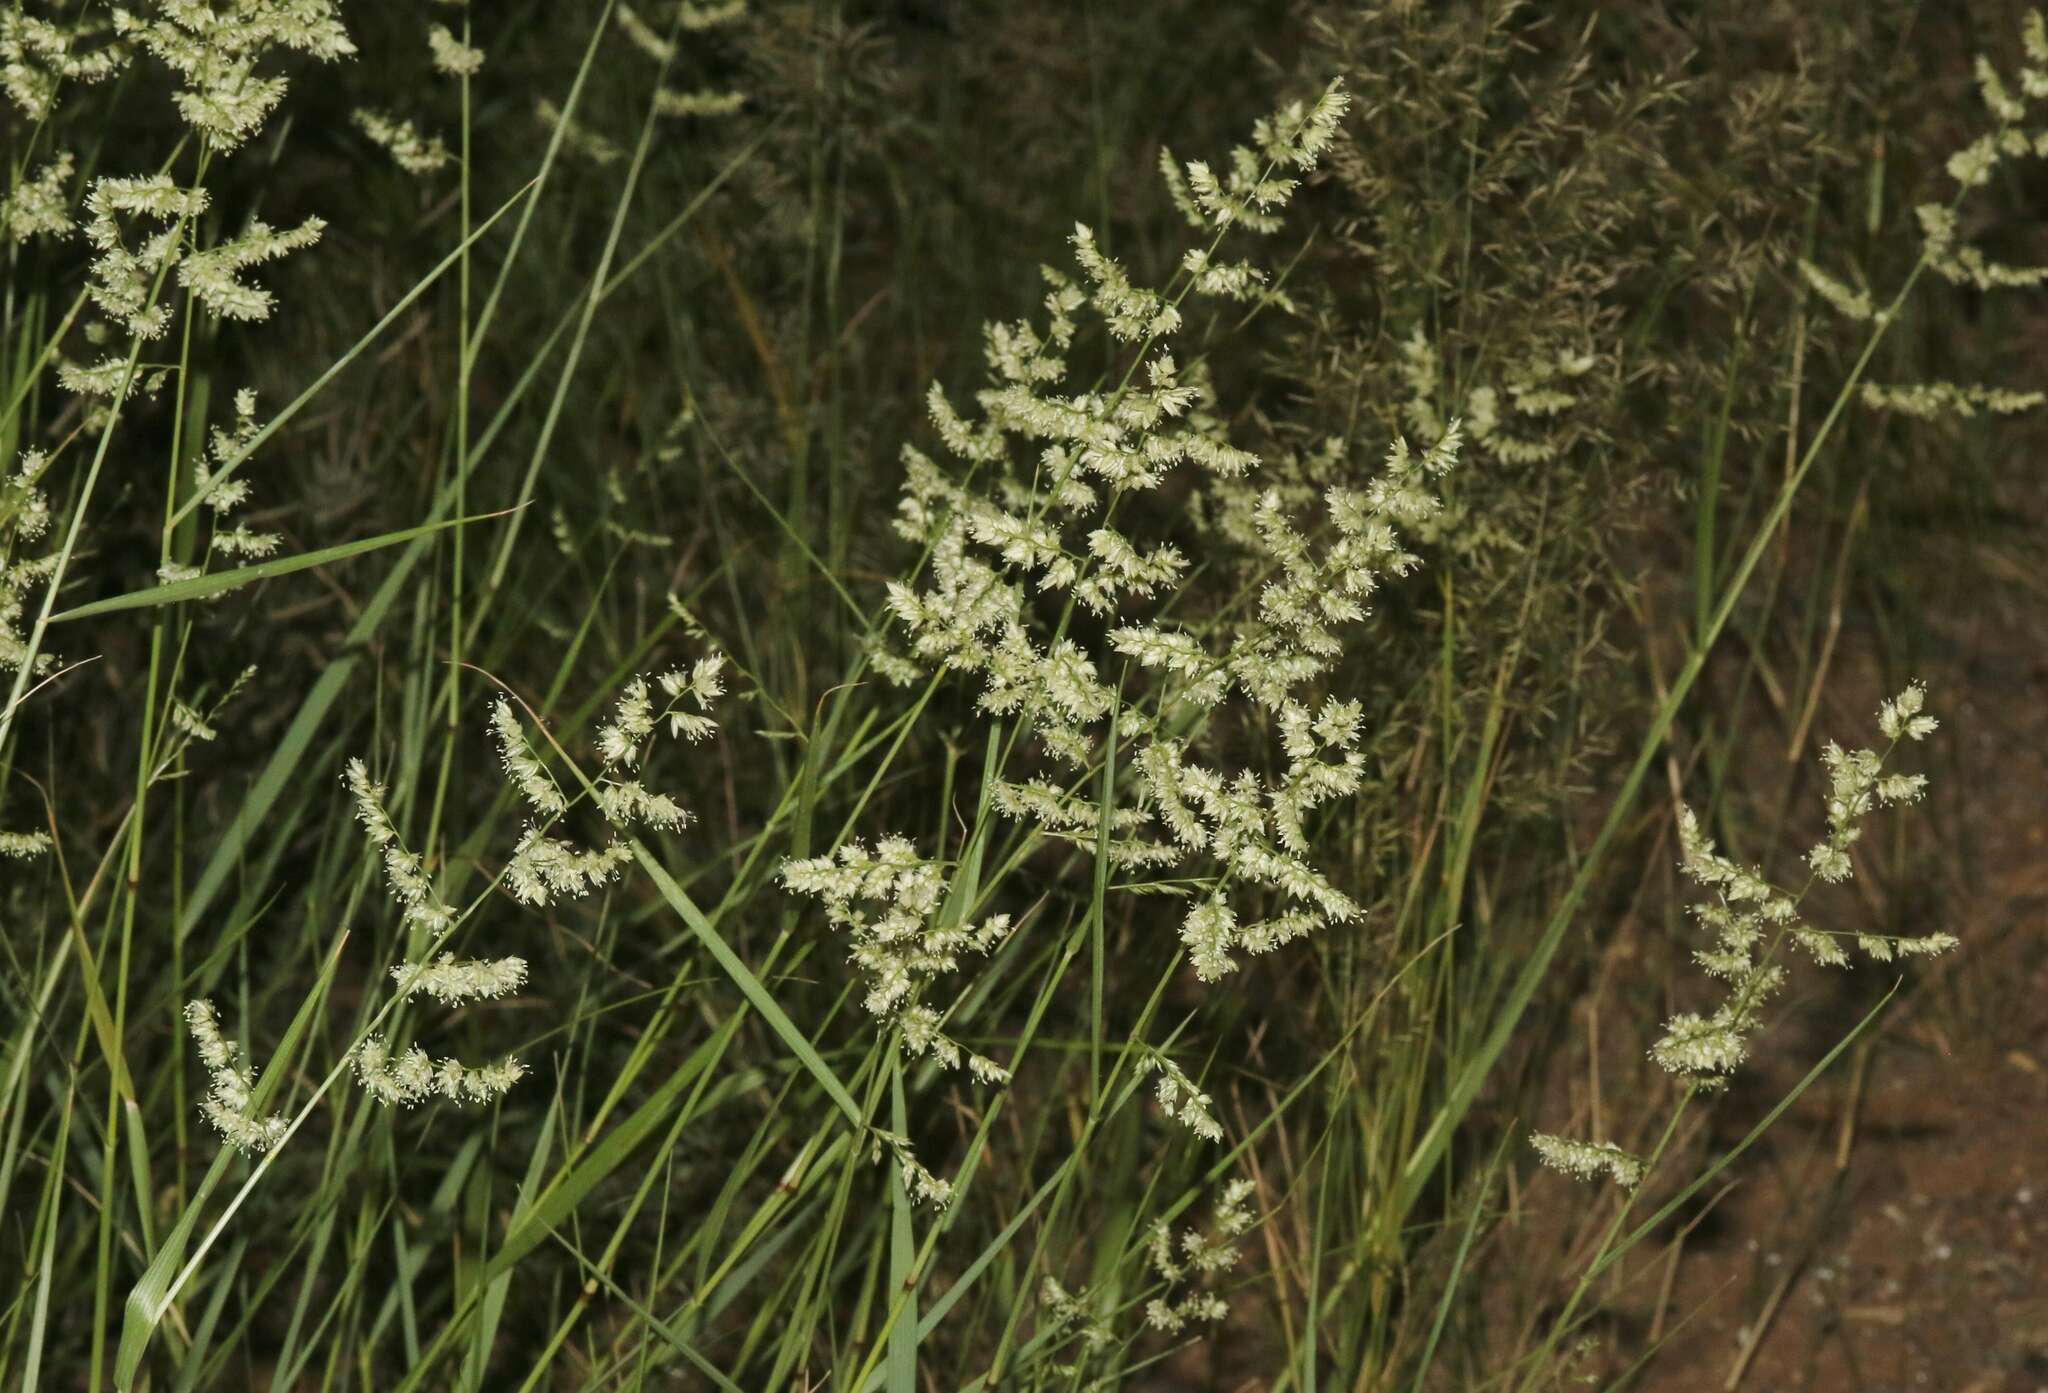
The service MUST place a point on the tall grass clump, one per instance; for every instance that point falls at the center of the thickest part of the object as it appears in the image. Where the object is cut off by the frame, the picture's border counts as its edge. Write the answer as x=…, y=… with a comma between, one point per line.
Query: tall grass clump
x=665, y=726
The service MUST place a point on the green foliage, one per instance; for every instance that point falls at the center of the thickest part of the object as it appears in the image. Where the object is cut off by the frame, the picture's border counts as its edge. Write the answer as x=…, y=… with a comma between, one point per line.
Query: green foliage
x=1151, y=789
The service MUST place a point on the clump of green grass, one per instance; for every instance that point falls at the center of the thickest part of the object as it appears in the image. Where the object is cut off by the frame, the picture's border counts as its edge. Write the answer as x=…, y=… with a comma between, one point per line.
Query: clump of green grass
x=1101, y=922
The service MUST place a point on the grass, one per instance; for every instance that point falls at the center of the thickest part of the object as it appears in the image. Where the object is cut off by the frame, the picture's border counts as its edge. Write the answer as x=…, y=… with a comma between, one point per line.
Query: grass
x=552, y=422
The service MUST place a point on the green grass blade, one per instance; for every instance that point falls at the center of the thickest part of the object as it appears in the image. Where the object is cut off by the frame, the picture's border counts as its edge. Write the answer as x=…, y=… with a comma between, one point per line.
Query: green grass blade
x=744, y=978
x=901, y=1370
x=220, y=582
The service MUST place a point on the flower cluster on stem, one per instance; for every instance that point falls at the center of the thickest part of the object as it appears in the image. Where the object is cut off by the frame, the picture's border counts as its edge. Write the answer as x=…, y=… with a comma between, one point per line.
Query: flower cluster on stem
x=1751, y=920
